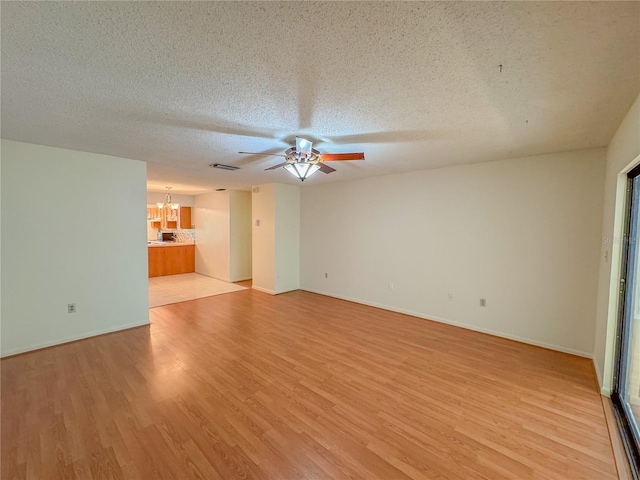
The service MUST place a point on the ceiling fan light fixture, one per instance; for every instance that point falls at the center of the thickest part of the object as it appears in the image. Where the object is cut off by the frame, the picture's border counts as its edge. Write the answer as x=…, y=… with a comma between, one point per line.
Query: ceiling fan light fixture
x=303, y=160
x=302, y=170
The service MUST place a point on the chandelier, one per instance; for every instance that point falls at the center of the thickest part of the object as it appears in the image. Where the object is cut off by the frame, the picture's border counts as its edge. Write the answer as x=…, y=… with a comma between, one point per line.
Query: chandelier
x=167, y=202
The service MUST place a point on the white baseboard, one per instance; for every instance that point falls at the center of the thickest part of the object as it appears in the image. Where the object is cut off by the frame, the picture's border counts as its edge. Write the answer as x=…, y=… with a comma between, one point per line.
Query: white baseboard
x=72, y=338
x=228, y=280
x=495, y=333
x=217, y=278
x=606, y=391
x=287, y=291
x=273, y=292
x=242, y=279
x=260, y=289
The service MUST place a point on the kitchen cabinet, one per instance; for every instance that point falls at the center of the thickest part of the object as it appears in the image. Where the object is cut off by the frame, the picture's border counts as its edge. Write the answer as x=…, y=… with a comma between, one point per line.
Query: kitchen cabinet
x=167, y=218
x=170, y=218
x=154, y=216
x=185, y=217
x=171, y=259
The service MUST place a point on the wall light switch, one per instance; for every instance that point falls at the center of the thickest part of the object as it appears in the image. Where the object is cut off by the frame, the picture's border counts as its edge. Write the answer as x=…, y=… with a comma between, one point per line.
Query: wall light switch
x=257, y=223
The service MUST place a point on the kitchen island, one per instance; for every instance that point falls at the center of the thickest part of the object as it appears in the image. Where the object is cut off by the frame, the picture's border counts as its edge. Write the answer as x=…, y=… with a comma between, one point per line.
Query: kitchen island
x=171, y=258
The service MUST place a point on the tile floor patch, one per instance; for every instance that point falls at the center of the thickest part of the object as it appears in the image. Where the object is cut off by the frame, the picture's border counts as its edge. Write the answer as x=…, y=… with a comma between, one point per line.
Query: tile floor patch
x=187, y=286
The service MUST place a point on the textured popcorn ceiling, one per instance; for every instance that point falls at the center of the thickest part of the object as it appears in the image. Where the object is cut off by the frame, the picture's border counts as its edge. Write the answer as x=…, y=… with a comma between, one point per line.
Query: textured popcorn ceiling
x=414, y=85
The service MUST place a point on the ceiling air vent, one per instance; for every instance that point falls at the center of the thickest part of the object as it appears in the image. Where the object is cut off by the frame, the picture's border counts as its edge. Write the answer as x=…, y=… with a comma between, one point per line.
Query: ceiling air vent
x=224, y=167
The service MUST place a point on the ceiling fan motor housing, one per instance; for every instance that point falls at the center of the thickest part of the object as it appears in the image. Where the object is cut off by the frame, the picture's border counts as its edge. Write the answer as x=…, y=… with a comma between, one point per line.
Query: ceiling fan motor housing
x=292, y=155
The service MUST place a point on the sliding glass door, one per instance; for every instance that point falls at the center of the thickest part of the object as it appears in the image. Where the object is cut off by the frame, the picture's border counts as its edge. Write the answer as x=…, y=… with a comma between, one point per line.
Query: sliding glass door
x=626, y=395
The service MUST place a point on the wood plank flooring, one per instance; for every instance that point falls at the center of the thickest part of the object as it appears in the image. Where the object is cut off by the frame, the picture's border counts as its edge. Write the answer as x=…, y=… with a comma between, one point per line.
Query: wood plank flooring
x=300, y=386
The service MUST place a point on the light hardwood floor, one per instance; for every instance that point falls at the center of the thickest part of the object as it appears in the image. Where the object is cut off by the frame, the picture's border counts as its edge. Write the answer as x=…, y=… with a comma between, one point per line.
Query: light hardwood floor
x=300, y=386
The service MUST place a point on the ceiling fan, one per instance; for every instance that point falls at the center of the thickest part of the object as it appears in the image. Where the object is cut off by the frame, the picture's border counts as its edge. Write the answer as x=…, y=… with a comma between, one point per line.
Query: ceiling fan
x=303, y=160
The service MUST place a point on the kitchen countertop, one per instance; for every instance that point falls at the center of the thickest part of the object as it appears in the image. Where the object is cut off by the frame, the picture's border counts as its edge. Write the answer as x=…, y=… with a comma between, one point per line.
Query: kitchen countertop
x=155, y=243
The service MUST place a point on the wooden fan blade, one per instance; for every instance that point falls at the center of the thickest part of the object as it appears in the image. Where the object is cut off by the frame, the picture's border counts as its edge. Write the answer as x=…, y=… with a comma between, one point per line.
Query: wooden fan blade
x=265, y=154
x=324, y=168
x=336, y=157
x=277, y=166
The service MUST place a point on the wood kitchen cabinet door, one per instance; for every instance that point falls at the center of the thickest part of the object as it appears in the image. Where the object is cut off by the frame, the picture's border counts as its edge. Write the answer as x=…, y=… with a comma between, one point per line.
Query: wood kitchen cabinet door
x=154, y=216
x=171, y=260
x=156, y=262
x=185, y=217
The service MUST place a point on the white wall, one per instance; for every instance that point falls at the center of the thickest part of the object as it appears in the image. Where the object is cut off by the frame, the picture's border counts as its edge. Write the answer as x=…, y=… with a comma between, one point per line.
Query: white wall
x=524, y=234
x=0, y=249
x=223, y=235
x=622, y=154
x=240, y=235
x=276, y=241
x=73, y=232
x=184, y=200
x=263, y=204
x=287, y=246
x=211, y=217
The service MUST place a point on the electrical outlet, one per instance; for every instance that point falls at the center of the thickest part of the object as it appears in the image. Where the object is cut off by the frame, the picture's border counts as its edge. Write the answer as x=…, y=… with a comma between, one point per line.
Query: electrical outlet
x=483, y=302
x=326, y=275
x=71, y=308
x=450, y=296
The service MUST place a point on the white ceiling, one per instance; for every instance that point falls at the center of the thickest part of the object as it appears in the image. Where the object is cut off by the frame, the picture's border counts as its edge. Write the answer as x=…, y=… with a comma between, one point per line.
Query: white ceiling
x=413, y=85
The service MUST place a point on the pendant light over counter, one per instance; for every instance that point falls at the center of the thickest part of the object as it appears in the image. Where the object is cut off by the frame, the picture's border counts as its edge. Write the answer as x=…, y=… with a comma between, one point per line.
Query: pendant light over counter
x=167, y=202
